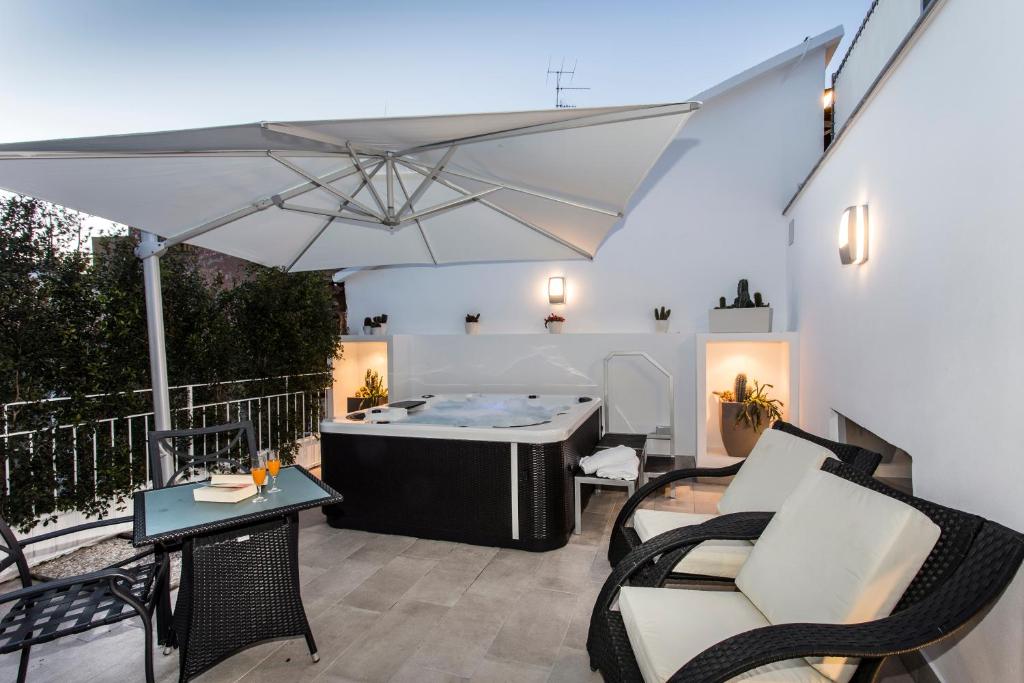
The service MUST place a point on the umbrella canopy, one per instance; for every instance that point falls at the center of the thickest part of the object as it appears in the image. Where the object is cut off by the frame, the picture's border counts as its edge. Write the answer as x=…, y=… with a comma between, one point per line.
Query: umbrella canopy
x=311, y=195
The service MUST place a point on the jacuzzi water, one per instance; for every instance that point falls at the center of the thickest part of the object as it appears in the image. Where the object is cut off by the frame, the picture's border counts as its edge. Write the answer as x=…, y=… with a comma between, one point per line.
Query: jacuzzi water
x=483, y=410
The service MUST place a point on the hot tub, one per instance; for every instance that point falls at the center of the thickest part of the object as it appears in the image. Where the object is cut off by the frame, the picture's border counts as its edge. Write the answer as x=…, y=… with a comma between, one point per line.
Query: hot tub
x=486, y=469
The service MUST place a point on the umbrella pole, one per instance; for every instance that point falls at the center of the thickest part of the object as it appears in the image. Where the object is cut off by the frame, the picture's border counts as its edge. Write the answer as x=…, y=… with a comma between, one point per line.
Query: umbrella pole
x=150, y=250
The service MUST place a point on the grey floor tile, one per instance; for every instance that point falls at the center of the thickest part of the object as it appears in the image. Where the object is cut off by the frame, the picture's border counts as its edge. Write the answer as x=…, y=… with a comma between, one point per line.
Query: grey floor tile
x=389, y=583
x=508, y=574
x=410, y=673
x=383, y=547
x=429, y=549
x=460, y=642
x=384, y=648
x=573, y=666
x=332, y=586
x=566, y=569
x=534, y=630
x=576, y=636
x=494, y=671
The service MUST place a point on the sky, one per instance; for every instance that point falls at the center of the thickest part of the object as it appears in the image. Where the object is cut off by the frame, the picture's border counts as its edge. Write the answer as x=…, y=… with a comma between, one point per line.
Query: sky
x=73, y=68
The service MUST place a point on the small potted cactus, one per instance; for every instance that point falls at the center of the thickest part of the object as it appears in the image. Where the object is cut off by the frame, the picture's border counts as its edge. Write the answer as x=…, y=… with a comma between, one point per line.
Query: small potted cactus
x=744, y=412
x=745, y=314
x=378, y=325
x=472, y=323
x=661, y=318
x=367, y=326
x=554, y=323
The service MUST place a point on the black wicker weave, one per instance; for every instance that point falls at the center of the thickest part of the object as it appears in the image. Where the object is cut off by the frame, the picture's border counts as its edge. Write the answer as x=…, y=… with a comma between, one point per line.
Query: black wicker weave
x=231, y=446
x=239, y=588
x=968, y=569
x=54, y=609
x=623, y=538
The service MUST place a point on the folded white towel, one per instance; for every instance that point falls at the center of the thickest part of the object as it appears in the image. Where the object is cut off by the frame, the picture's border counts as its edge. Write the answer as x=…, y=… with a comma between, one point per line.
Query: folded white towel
x=608, y=457
x=629, y=471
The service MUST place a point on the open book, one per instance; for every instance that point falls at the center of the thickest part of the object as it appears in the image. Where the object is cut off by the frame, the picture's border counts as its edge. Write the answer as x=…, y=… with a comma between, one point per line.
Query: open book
x=225, y=488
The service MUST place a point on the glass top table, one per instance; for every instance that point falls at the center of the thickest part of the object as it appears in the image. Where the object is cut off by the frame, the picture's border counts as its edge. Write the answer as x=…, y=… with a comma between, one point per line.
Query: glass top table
x=171, y=514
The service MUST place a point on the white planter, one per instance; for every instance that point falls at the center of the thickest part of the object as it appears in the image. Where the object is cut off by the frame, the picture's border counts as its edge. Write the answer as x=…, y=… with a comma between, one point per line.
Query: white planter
x=740, y=319
x=555, y=327
x=661, y=326
x=473, y=328
x=380, y=331
x=367, y=330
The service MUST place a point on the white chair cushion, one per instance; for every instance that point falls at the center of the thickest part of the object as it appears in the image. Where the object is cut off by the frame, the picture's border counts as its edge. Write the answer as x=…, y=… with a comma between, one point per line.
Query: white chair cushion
x=836, y=553
x=669, y=627
x=711, y=558
x=771, y=472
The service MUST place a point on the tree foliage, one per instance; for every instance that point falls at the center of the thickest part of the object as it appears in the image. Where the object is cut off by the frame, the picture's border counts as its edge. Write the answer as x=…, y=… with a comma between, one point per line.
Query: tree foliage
x=74, y=326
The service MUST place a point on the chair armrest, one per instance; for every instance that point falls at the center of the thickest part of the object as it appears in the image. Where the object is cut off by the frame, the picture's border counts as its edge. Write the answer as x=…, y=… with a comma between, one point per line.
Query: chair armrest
x=70, y=530
x=743, y=526
x=642, y=493
x=110, y=573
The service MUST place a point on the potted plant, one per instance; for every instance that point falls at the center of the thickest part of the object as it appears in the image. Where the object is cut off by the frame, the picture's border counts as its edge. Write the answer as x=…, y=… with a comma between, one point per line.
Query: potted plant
x=378, y=325
x=746, y=314
x=661, y=318
x=472, y=323
x=554, y=323
x=741, y=420
x=372, y=393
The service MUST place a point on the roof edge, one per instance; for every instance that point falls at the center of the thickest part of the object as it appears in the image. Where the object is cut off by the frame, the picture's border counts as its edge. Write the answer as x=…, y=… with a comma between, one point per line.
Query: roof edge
x=901, y=50
x=829, y=40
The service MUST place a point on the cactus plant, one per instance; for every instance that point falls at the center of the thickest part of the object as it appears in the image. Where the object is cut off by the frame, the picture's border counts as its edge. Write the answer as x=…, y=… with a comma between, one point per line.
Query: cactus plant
x=740, y=387
x=721, y=302
x=662, y=313
x=758, y=301
x=472, y=317
x=743, y=295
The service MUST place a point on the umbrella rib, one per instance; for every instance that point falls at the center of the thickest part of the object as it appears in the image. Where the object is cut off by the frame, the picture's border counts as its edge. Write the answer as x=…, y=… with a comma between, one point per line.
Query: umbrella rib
x=369, y=185
x=337, y=193
x=426, y=182
x=508, y=214
x=552, y=126
x=255, y=207
x=450, y=205
x=423, y=233
x=326, y=225
x=533, y=193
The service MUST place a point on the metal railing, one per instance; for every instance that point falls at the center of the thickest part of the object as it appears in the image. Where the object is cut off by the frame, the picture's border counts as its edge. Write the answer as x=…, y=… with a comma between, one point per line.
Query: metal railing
x=286, y=412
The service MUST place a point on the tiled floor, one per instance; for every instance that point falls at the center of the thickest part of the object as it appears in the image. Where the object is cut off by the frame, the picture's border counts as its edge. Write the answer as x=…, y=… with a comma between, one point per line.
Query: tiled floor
x=394, y=608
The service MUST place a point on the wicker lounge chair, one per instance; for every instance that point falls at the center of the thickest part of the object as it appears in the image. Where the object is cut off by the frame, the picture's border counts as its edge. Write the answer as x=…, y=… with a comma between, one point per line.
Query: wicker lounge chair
x=233, y=447
x=968, y=567
x=716, y=562
x=50, y=610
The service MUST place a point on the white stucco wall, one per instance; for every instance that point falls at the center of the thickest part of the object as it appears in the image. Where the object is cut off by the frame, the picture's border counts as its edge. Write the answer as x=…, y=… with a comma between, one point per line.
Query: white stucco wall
x=923, y=343
x=708, y=215
x=883, y=31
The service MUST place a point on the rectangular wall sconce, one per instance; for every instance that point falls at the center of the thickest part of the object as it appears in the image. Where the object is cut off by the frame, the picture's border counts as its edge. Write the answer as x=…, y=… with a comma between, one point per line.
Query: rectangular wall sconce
x=556, y=290
x=853, y=235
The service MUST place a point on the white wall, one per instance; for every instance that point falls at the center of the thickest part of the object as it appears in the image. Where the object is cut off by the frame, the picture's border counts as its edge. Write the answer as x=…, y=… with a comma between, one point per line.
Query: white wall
x=708, y=215
x=923, y=343
x=883, y=31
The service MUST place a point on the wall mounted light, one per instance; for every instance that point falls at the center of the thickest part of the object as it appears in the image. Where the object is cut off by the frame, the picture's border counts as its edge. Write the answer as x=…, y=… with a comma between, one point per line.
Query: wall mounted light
x=853, y=235
x=556, y=290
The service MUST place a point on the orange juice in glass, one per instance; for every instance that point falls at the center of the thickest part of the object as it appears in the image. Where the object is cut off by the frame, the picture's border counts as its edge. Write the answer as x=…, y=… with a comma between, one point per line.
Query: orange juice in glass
x=273, y=466
x=259, y=477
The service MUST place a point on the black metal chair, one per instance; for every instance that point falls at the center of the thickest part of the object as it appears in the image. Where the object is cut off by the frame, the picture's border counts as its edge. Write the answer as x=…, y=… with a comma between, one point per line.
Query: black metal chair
x=970, y=565
x=624, y=538
x=229, y=442
x=50, y=610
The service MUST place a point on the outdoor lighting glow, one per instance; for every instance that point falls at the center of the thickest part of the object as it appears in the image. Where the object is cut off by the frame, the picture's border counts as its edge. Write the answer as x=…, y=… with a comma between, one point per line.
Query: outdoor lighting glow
x=853, y=235
x=556, y=290
x=827, y=98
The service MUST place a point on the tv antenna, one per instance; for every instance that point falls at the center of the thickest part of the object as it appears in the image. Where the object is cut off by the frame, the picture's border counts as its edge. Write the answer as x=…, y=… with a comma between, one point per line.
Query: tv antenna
x=560, y=76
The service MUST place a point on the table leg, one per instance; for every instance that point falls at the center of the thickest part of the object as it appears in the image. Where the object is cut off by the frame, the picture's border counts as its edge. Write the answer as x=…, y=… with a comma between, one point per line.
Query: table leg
x=164, y=620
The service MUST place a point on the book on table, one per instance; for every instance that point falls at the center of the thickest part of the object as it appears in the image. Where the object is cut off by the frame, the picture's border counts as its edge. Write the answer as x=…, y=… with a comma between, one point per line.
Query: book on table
x=225, y=488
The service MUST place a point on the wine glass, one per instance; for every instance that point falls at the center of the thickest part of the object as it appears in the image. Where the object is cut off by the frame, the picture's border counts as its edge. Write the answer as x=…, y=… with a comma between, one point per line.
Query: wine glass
x=259, y=477
x=273, y=467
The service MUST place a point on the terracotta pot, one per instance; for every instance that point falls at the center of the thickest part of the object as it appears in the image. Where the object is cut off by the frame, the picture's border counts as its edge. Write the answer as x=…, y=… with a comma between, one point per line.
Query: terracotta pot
x=739, y=439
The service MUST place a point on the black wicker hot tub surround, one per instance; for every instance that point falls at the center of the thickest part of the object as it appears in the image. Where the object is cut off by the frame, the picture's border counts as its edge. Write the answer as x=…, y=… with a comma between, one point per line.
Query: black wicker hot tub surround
x=967, y=570
x=457, y=490
x=624, y=538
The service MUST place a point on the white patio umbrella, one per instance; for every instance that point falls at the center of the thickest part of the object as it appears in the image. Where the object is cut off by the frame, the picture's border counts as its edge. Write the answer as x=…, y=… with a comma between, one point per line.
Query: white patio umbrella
x=312, y=195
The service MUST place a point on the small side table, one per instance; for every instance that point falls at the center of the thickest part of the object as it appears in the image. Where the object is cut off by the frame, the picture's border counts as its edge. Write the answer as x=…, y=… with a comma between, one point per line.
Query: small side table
x=638, y=442
x=581, y=479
